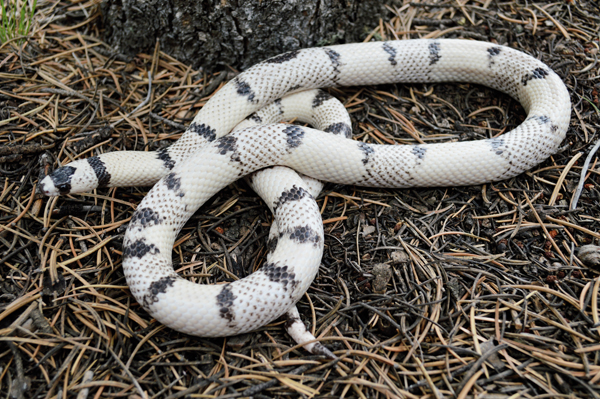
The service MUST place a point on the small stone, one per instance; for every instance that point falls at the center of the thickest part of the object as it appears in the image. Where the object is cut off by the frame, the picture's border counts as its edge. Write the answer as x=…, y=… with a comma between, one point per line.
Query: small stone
x=399, y=257
x=366, y=230
x=383, y=274
x=590, y=255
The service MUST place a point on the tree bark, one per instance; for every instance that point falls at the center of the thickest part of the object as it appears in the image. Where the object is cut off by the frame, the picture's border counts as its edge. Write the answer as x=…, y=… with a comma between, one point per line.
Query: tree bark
x=239, y=33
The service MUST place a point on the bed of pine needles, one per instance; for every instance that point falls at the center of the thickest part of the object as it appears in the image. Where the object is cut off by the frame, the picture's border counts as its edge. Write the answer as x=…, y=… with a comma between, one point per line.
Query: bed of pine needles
x=488, y=291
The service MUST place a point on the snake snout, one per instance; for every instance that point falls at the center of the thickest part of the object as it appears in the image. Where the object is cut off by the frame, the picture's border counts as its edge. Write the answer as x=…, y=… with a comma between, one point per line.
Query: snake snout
x=47, y=187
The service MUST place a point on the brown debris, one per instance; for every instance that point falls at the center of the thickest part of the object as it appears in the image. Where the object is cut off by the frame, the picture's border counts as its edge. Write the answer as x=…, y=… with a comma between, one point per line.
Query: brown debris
x=492, y=291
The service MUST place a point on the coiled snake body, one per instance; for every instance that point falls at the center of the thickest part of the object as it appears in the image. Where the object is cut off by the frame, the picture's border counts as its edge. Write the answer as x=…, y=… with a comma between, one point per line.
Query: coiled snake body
x=207, y=158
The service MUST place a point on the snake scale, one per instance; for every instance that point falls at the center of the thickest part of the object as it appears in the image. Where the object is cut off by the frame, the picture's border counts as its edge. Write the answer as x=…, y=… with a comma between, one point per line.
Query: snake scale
x=207, y=158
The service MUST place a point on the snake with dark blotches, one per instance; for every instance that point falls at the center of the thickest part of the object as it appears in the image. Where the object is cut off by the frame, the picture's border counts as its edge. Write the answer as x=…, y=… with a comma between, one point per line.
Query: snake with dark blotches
x=208, y=157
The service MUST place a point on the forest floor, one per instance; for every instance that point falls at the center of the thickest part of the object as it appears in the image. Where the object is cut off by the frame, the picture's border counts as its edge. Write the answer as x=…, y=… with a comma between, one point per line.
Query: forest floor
x=485, y=292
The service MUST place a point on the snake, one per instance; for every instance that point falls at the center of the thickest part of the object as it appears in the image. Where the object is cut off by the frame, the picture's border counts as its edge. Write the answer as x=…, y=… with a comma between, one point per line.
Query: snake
x=210, y=156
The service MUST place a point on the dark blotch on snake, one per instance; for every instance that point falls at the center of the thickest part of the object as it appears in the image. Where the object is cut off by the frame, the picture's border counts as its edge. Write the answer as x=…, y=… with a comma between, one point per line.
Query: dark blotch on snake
x=280, y=274
x=537, y=73
x=255, y=118
x=434, y=52
x=339, y=128
x=496, y=144
x=334, y=56
x=281, y=58
x=272, y=244
x=367, y=150
x=294, y=135
x=138, y=249
x=225, y=300
x=278, y=104
x=244, y=89
x=493, y=51
x=158, y=287
x=320, y=98
x=293, y=194
x=203, y=130
x=419, y=151
x=61, y=178
x=174, y=183
x=320, y=349
x=542, y=119
x=304, y=234
x=228, y=144
x=100, y=171
x=388, y=48
x=146, y=217
x=290, y=321
x=163, y=155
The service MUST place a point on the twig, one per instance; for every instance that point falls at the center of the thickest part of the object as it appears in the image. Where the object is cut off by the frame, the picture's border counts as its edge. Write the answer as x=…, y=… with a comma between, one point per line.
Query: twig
x=584, y=170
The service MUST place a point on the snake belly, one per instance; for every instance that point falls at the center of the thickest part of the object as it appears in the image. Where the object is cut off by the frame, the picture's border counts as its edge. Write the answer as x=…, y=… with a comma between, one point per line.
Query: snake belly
x=191, y=176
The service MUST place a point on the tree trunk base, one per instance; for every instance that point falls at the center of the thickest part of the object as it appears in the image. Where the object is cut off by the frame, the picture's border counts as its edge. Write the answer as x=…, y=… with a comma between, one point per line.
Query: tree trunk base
x=210, y=33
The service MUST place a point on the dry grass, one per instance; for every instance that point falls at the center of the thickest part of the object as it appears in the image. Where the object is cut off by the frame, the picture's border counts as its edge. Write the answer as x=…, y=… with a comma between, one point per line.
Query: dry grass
x=488, y=295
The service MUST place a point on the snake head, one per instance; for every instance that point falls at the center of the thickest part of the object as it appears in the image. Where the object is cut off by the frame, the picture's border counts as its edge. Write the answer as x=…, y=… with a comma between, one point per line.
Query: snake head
x=59, y=182
x=76, y=177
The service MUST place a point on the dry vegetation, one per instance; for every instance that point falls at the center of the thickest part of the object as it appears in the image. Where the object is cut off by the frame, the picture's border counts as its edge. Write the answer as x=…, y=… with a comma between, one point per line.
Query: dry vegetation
x=488, y=294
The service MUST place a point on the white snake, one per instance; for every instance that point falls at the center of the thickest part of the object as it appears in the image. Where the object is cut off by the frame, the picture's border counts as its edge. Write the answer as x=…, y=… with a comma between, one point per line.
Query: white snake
x=200, y=163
